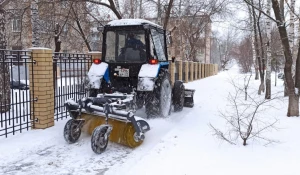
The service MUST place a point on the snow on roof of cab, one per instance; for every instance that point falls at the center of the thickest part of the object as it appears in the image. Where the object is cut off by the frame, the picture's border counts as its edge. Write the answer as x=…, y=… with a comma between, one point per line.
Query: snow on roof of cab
x=125, y=22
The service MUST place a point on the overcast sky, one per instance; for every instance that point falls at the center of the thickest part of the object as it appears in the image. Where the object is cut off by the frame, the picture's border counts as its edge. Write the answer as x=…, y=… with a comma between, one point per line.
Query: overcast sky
x=238, y=15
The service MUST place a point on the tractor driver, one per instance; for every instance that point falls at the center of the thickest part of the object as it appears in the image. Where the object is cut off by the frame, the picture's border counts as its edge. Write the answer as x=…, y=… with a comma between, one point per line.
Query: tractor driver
x=134, y=50
x=132, y=42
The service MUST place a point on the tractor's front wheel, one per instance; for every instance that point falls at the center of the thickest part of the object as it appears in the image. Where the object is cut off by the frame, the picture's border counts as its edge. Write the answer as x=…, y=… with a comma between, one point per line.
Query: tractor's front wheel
x=159, y=102
x=99, y=139
x=72, y=131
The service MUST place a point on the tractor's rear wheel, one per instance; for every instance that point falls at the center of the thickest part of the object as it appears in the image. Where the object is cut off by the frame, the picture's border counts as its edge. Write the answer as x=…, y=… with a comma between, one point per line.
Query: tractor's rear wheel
x=158, y=103
x=178, y=96
x=140, y=100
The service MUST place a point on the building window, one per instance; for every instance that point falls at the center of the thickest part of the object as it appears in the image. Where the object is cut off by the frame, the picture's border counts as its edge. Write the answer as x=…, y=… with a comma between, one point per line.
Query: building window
x=16, y=25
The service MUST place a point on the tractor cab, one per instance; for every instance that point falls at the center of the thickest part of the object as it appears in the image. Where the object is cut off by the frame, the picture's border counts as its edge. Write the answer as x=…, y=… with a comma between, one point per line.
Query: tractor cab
x=133, y=41
x=127, y=45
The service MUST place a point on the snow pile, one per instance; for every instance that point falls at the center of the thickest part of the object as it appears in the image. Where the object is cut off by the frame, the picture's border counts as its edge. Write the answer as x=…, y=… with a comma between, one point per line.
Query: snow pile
x=96, y=73
x=149, y=70
x=126, y=22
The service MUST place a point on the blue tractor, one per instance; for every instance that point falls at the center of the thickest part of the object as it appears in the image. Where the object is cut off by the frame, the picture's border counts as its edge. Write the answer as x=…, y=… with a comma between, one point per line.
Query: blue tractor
x=132, y=73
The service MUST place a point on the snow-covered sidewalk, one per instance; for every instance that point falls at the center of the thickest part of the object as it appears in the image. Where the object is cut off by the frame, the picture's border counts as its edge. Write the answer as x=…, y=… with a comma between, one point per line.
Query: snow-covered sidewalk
x=181, y=144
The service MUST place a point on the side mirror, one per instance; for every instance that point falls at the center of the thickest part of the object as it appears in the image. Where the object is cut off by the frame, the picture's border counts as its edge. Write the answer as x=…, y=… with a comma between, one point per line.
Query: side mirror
x=173, y=59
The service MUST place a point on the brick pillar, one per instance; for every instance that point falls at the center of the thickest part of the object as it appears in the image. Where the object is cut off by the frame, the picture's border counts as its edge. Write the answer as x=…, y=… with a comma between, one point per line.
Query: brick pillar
x=202, y=70
x=205, y=70
x=196, y=70
x=187, y=71
x=180, y=70
x=199, y=67
x=191, y=65
x=208, y=70
x=216, y=69
x=42, y=88
x=172, y=72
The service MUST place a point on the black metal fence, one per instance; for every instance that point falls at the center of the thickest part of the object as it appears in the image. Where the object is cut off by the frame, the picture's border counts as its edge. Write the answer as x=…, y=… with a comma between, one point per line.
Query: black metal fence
x=16, y=93
x=69, y=75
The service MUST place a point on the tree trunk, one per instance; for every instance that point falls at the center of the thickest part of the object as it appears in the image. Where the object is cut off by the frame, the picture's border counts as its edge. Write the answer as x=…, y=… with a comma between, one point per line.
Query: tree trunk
x=4, y=68
x=158, y=12
x=293, y=109
x=297, y=75
x=167, y=16
x=81, y=30
x=117, y=5
x=35, y=24
x=56, y=38
x=261, y=60
x=244, y=142
x=282, y=17
x=140, y=8
x=131, y=9
x=292, y=26
x=297, y=72
x=268, y=72
x=113, y=7
x=255, y=38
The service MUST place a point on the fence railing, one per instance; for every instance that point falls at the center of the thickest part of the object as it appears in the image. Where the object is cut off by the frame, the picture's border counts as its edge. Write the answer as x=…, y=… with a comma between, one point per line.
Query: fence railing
x=69, y=75
x=187, y=71
x=16, y=91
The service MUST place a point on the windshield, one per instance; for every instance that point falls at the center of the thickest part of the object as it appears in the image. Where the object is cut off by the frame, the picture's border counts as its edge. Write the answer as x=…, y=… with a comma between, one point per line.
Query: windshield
x=125, y=46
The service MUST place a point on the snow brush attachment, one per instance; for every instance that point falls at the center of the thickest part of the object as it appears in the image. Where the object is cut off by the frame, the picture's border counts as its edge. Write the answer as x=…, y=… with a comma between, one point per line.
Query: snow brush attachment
x=105, y=119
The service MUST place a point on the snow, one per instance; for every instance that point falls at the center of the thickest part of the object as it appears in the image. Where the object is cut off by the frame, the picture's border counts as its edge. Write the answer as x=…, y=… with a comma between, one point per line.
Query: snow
x=39, y=48
x=149, y=70
x=180, y=144
x=96, y=73
x=94, y=52
x=125, y=22
x=145, y=84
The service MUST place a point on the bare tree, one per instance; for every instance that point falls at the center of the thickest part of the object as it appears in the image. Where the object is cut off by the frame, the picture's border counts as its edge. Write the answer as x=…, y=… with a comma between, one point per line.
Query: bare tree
x=253, y=43
x=268, y=72
x=111, y=6
x=256, y=32
x=168, y=12
x=35, y=21
x=245, y=54
x=293, y=107
x=4, y=68
x=226, y=45
x=261, y=59
x=245, y=118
